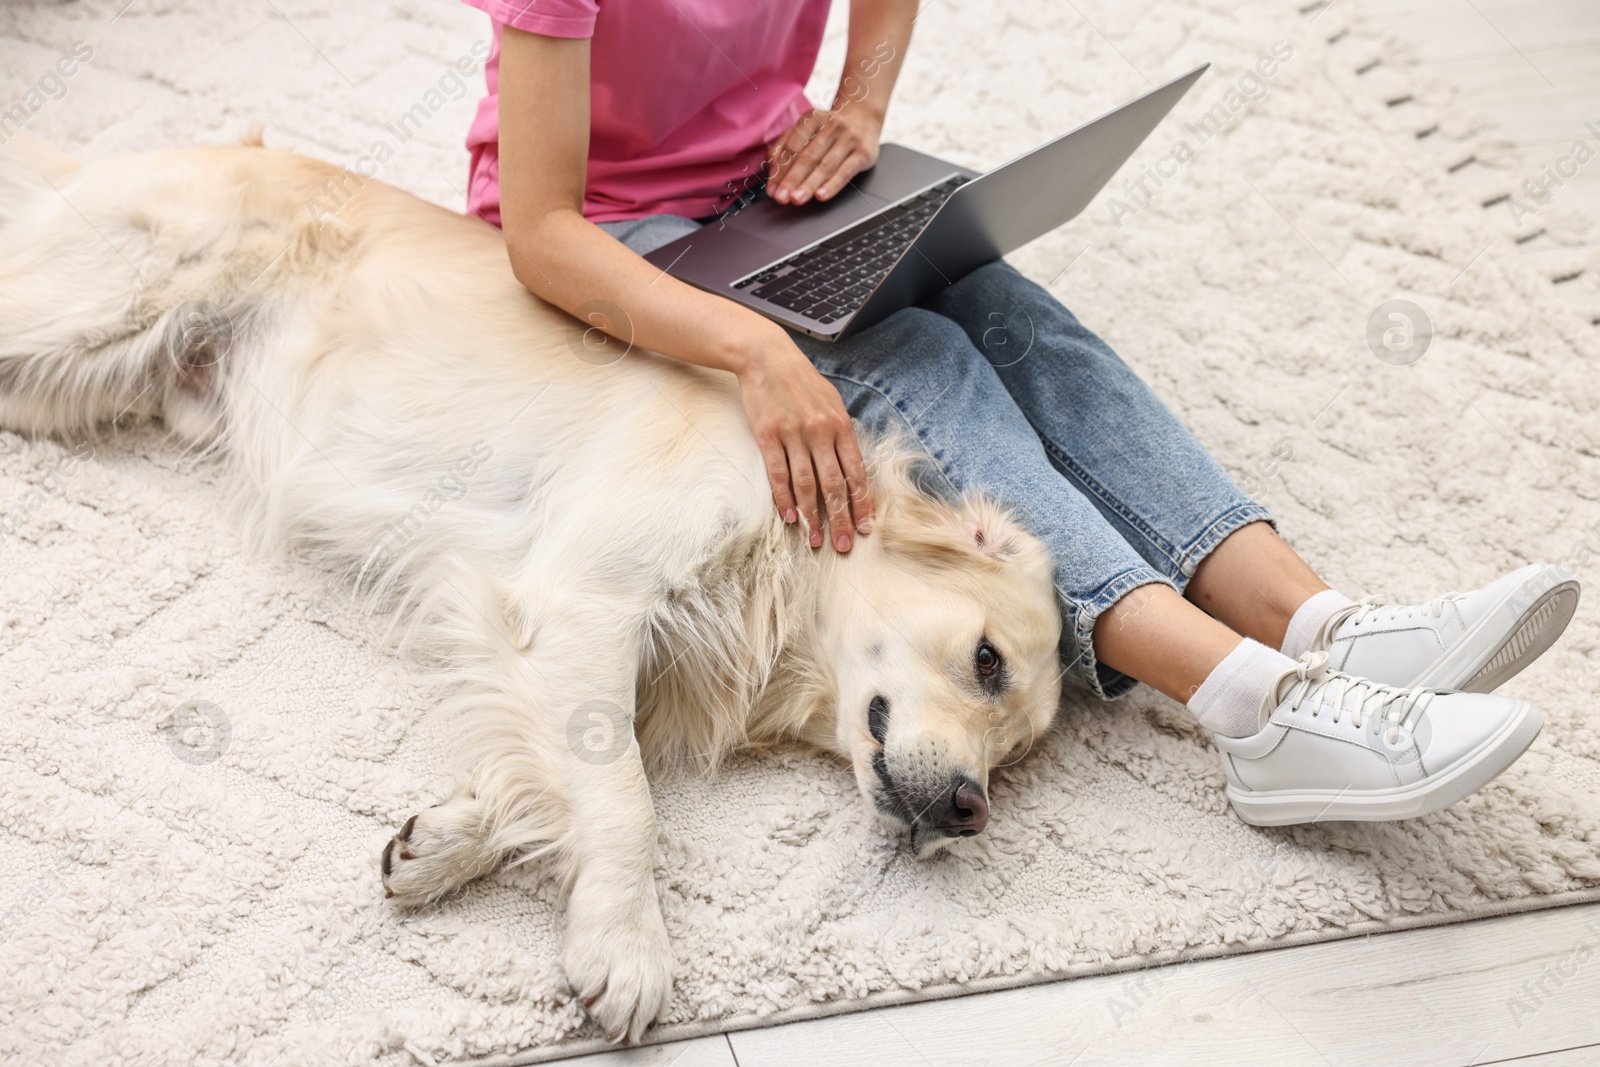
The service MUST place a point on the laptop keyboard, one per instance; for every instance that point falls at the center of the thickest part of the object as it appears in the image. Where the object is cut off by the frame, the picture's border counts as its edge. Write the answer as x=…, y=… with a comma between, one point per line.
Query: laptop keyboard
x=830, y=280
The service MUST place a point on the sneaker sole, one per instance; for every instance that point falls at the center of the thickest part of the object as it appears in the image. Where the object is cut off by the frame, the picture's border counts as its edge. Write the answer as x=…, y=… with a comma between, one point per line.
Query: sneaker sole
x=1477, y=666
x=1286, y=807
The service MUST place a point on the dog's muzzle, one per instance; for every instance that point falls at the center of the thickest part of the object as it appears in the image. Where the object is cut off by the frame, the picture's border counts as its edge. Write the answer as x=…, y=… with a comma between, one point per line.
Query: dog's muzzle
x=957, y=808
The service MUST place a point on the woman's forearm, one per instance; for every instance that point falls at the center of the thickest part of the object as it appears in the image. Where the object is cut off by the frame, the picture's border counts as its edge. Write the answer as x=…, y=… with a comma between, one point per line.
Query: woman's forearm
x=880, y=31
x=573, y=264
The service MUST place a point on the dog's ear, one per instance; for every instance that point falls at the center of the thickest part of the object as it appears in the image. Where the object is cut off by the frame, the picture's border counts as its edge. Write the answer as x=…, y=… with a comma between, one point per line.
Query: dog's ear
x=920, y=523
x=995, y=532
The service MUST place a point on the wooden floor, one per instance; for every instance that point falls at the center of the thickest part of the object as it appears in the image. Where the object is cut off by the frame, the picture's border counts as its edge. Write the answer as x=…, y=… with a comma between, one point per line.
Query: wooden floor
x=1522, y=989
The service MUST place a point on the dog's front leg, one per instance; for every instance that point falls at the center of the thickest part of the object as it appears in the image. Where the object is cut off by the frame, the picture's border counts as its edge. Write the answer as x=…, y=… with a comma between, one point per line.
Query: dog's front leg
x=555, y=776
x=616, y=953
x=585, y=761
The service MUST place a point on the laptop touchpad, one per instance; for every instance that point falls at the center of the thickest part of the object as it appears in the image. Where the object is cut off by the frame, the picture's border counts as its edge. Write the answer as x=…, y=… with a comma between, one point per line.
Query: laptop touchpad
x=716, y=255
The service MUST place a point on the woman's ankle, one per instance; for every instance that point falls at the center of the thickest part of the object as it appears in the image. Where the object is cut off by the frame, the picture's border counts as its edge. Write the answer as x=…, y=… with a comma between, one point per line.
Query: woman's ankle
x=1235, y=698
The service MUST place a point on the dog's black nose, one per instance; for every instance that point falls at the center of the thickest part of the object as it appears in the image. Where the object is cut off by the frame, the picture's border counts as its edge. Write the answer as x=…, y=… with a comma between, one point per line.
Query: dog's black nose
x=967, y=813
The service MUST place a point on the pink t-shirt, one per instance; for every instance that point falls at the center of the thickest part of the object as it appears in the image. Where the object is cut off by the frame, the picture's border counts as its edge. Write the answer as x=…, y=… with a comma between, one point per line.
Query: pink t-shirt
x=685, y=96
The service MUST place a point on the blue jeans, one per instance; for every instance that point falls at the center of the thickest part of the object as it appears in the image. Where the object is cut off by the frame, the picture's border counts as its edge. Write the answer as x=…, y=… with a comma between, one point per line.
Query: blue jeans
x=1012, y=396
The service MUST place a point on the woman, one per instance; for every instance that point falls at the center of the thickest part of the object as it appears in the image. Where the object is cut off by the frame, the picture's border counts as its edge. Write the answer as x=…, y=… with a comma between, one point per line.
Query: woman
x=609, y=131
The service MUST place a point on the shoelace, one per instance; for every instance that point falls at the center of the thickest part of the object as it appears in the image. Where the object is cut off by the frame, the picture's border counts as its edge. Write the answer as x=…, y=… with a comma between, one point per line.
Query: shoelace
x=1381, y=705
x=1376, y=607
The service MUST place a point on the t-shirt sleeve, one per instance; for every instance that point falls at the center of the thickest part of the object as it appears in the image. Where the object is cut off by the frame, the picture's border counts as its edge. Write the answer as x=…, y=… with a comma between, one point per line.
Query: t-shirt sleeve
x=550, y=18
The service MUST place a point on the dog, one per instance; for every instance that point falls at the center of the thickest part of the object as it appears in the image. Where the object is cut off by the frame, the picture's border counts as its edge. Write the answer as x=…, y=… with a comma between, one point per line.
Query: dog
x=584, y=548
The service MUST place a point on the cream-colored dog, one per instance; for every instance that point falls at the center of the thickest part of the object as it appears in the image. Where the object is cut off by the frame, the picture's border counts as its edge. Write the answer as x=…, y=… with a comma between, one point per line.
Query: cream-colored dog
x=585, y=546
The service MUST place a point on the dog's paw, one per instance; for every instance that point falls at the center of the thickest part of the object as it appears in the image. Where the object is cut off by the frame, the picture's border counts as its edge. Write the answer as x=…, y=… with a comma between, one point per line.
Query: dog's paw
x=619, y=963
x=437, y=851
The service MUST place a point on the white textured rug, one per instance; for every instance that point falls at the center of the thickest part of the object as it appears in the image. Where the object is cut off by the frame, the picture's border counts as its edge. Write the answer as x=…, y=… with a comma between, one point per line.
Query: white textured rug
x=201, y=754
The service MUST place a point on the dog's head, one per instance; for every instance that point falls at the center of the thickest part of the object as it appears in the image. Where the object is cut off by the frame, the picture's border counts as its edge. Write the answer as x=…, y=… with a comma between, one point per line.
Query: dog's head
x=943, y=642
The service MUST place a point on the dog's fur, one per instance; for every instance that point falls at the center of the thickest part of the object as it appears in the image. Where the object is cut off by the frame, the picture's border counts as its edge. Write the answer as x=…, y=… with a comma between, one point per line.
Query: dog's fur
x=589, y=553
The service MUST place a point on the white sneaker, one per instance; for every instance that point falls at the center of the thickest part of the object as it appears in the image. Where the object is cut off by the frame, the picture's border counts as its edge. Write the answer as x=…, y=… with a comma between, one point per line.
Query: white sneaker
x=1473, y=642
x=1333, y=746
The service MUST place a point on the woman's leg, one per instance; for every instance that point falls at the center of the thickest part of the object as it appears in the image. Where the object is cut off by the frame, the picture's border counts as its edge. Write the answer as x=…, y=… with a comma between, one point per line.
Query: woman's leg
x=1254, y=582
x=1155, y=635
x=917, y=372
x=1108, y=433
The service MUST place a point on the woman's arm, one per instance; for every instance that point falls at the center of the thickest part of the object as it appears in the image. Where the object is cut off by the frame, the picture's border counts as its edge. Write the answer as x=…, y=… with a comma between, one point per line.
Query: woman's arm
x=825, y=149
x=798, y=418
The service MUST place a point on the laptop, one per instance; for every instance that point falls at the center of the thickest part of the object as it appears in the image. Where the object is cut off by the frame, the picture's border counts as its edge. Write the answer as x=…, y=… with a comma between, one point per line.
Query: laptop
x=906, y=228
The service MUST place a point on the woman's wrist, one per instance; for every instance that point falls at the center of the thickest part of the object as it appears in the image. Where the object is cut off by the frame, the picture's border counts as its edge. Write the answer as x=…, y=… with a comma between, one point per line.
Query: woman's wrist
x=757, y=346
x=870, y=112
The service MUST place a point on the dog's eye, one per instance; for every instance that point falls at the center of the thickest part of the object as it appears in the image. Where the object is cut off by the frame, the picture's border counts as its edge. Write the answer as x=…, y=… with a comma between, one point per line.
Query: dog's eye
x=987, y=660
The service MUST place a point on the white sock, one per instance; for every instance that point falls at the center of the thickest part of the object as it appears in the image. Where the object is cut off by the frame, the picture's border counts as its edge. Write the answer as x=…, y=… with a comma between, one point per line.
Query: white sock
x=1231, y=699
x=1309, y=619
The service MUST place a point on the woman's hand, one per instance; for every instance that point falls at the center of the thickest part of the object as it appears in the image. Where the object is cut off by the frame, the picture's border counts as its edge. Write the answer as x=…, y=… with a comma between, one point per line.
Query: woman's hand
x=821, y=152
x=807, y=440
x=825, y=149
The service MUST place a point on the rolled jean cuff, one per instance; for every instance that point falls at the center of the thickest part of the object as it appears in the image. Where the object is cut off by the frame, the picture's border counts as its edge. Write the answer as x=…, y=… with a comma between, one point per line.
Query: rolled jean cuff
x=1079, y=662
x=1235, y=518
